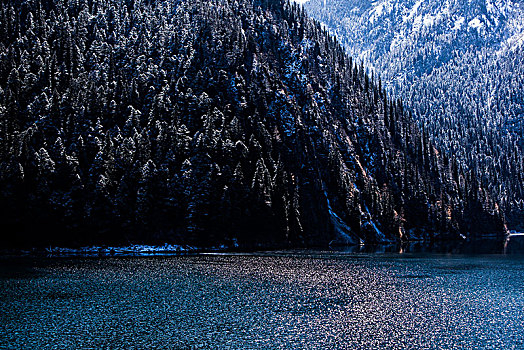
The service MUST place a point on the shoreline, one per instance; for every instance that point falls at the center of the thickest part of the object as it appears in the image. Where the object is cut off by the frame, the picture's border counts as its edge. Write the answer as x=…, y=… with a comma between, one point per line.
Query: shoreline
x=104, y=251
x=149, y=250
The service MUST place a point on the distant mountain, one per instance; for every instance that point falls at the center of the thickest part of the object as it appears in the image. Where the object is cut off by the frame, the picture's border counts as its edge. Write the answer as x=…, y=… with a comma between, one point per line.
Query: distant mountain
x=210, y=122
x=459, y=66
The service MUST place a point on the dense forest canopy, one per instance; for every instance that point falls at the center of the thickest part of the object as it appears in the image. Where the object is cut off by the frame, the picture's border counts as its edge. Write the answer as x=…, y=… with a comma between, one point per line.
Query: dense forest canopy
x=459, y=66
x=207, y=122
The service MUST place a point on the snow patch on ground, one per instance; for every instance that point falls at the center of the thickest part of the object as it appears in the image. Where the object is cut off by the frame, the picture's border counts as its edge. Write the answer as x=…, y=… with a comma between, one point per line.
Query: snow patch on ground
x=379, y=235
x=379, y=9
x=514, y=42
x=489, y=6
x=458, y=23
x=412, y=12
x=475, y=23
x=344, y=234
x=429, y=20
x=417, y=23
x=132, y=250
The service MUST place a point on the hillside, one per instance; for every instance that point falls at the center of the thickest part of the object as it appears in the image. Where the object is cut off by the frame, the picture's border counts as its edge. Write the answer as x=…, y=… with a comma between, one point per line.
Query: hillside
x=210, y=122
x=459, y=67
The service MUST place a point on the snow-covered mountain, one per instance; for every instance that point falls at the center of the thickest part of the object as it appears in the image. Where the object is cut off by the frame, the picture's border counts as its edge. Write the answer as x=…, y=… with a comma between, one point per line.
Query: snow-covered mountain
x=459, y=65
x=373, y=28
x=209, y=123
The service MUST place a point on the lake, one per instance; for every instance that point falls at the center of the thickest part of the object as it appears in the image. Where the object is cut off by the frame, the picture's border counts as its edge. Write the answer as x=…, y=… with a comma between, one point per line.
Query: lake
x=277, y=300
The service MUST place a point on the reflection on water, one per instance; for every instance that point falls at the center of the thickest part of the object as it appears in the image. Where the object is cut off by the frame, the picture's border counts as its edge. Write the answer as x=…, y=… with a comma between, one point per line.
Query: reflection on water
x=480, y=246
x=514, y=244
x=274, y=300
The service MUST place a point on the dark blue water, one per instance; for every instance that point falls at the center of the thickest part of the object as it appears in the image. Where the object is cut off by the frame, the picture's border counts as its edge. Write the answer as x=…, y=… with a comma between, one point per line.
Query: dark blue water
x=301, y=300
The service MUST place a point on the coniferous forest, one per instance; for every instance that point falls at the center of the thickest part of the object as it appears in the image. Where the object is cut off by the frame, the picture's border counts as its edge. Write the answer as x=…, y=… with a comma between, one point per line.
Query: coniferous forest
x=459, y=65
x=210, y=122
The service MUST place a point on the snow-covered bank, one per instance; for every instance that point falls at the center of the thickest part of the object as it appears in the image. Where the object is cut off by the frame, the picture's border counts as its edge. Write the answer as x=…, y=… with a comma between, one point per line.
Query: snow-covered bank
x=131, y=250
x=103, y=251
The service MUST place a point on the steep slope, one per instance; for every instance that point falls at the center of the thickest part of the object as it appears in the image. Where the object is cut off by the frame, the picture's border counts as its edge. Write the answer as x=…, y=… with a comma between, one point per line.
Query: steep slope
x=209, y=122
x=459, y=65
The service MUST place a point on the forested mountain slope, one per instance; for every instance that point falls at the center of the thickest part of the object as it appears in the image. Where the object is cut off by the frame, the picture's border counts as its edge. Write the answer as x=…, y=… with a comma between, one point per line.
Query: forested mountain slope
x=209, y=122
x=459, y=66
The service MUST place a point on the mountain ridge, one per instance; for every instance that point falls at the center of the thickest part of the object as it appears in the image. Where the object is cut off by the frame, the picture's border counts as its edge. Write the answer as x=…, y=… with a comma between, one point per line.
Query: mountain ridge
x=458, y=66
x=208, y=122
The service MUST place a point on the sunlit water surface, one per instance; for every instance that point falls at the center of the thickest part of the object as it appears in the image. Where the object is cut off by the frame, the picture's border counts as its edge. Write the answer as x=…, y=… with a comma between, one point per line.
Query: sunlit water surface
x=289, y=300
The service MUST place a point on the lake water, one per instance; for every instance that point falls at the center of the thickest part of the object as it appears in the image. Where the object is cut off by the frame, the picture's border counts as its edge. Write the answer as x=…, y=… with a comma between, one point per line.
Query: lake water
x=287, y=300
